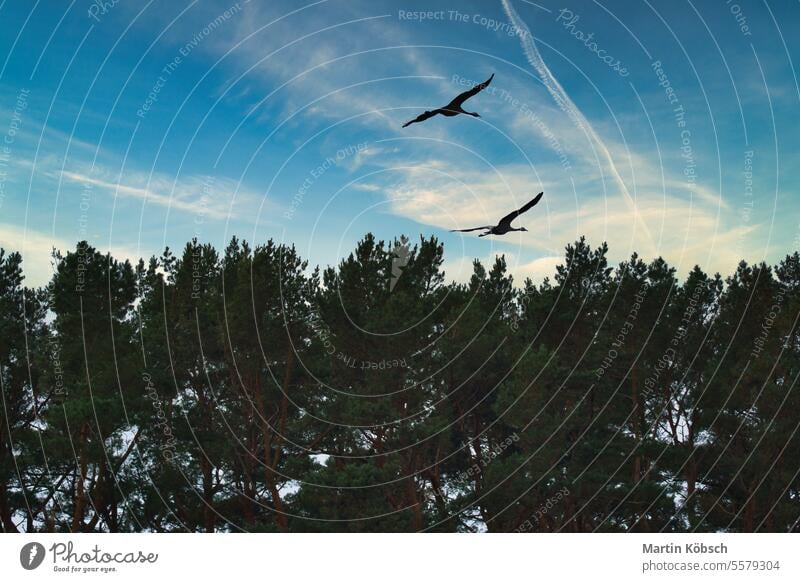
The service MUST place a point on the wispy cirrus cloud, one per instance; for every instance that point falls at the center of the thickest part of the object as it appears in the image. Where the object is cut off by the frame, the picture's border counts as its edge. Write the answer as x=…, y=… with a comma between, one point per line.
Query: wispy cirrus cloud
x=201, y=195
x=568, y=106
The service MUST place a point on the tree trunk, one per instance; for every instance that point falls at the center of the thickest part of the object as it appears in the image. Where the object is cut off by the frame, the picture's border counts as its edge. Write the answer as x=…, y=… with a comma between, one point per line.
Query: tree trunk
x=415, y=504
x=638, y=422
x=208, y=495
x=5, y=511
x=749, y=522
x=691, y=486
x=80, y=497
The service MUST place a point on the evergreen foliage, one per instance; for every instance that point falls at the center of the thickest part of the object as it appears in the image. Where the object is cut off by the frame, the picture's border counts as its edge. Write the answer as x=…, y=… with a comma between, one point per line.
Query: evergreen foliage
x=246, y=391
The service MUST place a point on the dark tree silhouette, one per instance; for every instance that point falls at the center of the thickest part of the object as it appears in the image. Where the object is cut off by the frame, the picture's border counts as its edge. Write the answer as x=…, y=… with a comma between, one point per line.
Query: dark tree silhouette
x=246, y=391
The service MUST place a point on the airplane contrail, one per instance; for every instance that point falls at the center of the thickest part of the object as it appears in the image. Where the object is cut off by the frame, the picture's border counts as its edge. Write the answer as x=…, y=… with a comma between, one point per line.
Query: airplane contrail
x=568, y=106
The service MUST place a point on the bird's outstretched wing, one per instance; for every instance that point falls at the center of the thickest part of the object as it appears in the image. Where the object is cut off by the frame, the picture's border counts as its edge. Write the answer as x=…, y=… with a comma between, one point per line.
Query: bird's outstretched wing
x=507, y=219
x=471, y=229
x=422, y=117
x=459, y=101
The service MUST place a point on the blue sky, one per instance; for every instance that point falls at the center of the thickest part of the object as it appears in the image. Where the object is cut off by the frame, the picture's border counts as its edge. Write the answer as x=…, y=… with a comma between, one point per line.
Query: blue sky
x=669, y=128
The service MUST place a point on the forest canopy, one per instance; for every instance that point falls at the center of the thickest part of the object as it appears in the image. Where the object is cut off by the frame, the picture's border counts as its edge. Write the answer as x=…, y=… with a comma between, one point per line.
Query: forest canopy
x=243, y=390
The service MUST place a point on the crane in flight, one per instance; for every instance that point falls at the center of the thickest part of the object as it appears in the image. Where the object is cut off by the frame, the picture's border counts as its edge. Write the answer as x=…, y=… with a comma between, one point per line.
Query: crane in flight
x=454, y=107
x=504, y=226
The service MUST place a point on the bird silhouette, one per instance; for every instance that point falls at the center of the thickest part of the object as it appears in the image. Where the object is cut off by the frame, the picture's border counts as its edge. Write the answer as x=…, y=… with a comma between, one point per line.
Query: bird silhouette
x=504, y=226
x=454, y=107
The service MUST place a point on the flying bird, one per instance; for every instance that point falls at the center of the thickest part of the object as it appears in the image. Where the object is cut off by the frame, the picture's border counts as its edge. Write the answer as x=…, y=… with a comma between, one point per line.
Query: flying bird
x=454, y=107
x=504, y=226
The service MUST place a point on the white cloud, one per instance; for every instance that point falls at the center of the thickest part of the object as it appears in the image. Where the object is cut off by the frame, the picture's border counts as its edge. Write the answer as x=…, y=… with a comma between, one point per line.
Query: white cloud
x=333, y=62
x=684, y=230
x=538, y=269
x=460, y=270
x=207, y=196
x=36, y=250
